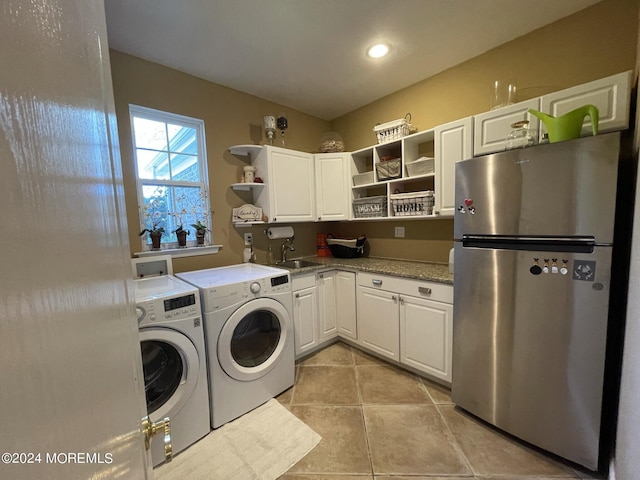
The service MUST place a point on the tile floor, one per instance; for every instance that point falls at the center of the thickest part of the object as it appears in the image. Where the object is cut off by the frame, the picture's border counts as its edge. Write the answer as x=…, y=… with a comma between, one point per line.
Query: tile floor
x=379, y=422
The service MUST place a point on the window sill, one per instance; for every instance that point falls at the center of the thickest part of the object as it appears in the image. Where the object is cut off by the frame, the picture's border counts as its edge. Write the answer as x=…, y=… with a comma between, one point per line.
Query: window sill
x=181, y=252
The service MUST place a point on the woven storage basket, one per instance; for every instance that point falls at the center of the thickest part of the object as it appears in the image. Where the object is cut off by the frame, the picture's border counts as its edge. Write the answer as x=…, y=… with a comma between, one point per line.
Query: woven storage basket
x=421, y=166
x=388, y=169
x=412, y=204
x=369, y=207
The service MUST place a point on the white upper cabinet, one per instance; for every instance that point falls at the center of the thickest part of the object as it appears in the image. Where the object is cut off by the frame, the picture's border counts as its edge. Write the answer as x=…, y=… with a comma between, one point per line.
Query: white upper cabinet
x=333, y=183
x=610, y=95
x=453, y=143
x=289, y=191
x=490, y=129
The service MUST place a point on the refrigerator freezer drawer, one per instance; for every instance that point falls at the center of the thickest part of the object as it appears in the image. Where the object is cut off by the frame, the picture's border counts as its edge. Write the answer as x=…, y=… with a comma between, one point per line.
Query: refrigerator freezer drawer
x=529, y=346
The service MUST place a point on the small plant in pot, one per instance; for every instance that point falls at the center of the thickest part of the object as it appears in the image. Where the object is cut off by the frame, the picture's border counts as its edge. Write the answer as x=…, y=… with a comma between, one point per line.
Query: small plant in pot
x=201, y=231
x=181, y=235
x=155, y=233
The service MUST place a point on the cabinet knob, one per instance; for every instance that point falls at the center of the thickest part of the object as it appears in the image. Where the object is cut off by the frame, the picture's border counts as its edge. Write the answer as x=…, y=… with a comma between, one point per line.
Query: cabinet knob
x=401, y=300
x=321, y=275
x=319, y=218
x=297, y=295
x=394, y=298
x=376, y=282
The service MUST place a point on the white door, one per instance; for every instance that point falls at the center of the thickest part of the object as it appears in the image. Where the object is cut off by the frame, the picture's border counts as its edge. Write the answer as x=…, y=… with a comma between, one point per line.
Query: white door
x=327, y=318
x=333, y=186
x=346, y=304
x=426, y=336
x=452, y=144
x=305, y=314
x=69, y=351
x=292, y=186
x=378, y=327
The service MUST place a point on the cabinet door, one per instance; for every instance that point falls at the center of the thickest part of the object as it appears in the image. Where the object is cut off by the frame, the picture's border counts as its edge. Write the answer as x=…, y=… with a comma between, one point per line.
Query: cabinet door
x=305, y=319
x=490, y=129
x=327, y=320
x=426, y=336
x=332, y=186
x=452, y=144
x=346, y=304
x=378, y=326
x=610, y=95
x=291, y=186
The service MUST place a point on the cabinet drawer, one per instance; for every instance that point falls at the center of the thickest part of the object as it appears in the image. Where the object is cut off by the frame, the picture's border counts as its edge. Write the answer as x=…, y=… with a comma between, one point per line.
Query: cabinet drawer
x=298, y=282
x=440, y=292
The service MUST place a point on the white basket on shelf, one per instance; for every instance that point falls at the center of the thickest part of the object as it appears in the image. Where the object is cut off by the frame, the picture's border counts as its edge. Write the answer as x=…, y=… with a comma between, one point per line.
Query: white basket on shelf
x=394, y=130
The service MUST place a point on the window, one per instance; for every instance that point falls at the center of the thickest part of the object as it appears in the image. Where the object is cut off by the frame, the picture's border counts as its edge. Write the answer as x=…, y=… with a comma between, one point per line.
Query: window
x=171, y=170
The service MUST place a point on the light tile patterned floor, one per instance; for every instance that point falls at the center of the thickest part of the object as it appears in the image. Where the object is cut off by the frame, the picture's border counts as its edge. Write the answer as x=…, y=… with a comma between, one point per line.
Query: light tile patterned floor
x=379, y=422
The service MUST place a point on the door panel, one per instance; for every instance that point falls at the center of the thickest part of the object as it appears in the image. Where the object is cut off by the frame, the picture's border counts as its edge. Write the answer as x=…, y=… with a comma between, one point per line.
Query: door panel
x=378, y=327
x=70, y=359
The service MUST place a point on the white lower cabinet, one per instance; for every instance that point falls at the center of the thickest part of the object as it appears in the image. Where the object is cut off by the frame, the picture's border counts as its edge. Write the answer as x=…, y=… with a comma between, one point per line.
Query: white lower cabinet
x=408, y=321
x=324, y=306
x=346, y=312
x=305, y=313
x=327, y=311
x=378, y=317
x=426, y=336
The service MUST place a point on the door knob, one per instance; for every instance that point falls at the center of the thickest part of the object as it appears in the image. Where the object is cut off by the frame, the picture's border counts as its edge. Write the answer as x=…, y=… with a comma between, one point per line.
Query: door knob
x=149, y=429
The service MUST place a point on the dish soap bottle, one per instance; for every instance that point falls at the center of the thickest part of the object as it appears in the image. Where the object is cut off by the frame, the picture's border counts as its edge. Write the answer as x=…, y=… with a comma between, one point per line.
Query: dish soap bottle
x=270, y=259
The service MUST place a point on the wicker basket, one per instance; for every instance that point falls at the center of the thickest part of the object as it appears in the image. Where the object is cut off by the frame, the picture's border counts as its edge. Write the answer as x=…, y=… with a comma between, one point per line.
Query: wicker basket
x=370, y=207
x=412, y=204
x=394, y=130
x=389, y=169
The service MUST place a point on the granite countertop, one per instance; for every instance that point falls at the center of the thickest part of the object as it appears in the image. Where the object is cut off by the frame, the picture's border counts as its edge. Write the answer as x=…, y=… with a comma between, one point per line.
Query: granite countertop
x=429, y=271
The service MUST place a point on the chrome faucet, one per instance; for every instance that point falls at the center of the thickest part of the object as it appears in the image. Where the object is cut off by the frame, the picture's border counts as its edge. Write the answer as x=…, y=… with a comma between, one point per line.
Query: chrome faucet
x=288, y=244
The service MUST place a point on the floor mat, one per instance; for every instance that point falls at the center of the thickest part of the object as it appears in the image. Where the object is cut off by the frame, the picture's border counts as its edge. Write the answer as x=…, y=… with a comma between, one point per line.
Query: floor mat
x=261, y=445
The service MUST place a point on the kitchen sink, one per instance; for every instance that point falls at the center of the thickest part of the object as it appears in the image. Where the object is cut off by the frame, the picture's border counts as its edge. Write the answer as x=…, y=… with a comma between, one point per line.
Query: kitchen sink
x=297, y=264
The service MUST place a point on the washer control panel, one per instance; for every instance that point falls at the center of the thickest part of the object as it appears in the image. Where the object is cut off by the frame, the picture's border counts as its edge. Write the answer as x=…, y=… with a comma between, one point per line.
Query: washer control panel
x=170, y=308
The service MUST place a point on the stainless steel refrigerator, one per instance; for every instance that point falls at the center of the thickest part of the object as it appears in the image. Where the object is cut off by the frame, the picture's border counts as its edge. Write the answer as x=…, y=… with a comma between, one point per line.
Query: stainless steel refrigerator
x=533, y=251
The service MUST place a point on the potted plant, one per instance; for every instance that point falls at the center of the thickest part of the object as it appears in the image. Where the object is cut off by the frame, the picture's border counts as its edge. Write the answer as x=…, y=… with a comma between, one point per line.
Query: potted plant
x=155, y=233
x=181, y=234
x=201, y=231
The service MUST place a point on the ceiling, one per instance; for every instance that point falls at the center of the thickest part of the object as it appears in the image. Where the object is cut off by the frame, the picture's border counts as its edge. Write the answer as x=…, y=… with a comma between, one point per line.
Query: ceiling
x=309, y=55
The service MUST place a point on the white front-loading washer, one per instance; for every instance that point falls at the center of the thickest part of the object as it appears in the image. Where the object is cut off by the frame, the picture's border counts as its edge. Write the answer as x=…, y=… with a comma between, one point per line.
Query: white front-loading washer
x=174, y=359
x=248, y=323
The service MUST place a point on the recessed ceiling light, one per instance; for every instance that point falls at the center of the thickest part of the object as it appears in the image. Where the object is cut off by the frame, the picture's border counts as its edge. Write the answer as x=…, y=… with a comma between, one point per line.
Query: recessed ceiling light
x=378, y=50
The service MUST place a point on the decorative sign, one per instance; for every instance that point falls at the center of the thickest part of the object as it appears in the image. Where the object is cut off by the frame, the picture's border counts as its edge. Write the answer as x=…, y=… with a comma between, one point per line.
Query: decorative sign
x=246, y=213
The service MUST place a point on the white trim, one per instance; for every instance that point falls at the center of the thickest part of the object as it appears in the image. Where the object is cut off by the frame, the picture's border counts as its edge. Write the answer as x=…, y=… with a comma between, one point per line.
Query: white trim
x=203, y=184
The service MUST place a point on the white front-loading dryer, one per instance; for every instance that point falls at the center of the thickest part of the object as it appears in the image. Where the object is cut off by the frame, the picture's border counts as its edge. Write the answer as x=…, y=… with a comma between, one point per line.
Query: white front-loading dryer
x=248, y=321
x=174, y=360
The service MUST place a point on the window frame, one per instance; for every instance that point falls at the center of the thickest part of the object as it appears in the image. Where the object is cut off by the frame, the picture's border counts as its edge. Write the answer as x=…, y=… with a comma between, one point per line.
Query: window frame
x=137, y=111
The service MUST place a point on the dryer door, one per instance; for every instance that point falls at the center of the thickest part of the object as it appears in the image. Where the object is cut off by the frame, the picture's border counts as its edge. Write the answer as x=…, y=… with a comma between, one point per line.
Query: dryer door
x=254, y=338
x=170, y=364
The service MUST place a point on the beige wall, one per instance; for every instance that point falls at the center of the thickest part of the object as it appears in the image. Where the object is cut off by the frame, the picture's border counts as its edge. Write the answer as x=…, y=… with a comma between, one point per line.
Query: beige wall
x=591, y=44
x=231, y=118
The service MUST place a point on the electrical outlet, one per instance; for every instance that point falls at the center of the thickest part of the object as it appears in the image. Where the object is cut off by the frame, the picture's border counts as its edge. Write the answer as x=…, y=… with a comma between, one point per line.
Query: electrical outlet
x=248, y=239
x=399, y=232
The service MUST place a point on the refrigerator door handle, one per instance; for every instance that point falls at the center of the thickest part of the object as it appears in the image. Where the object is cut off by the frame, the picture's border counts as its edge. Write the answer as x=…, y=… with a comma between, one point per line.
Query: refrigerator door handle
x=582, y=244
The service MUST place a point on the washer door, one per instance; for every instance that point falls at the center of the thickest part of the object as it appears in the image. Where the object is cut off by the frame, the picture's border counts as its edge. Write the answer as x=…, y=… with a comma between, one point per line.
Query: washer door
x=170, y=364
x=254, y=339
